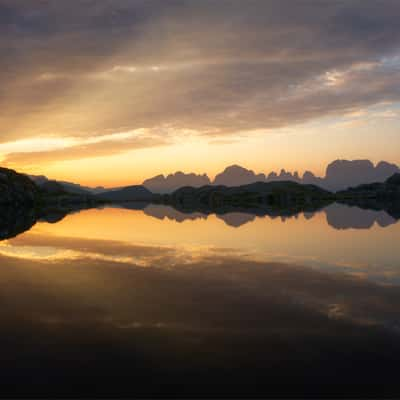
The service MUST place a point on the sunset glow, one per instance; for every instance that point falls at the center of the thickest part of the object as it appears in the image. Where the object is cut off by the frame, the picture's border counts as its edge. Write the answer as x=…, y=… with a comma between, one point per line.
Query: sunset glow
x=200, y=199
x=184, y=89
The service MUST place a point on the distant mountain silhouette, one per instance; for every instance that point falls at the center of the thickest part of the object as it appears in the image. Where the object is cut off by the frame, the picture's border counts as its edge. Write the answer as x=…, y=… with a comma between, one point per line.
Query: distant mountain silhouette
x=340, y=174
x=237, y=176
x=69, y=187
x=161, y=184
x=129, y=193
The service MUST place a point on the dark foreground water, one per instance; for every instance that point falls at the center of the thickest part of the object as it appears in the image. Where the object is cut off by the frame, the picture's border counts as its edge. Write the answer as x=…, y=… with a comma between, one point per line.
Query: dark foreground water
x=155, y=302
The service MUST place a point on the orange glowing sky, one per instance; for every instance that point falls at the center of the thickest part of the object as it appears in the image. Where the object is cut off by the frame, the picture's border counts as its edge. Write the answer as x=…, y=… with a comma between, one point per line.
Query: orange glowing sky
x=113, y=92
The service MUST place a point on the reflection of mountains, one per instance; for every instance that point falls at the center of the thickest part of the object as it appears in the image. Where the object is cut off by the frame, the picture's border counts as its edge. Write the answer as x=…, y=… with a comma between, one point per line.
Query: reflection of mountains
x=341, y=216
x=16, y=220
x=338, y=216
x=233, y=216
x=234, y=219
x=165, y=212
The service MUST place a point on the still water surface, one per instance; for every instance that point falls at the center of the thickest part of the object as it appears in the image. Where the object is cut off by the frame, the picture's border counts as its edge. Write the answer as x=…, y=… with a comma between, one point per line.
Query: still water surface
x=154, y=301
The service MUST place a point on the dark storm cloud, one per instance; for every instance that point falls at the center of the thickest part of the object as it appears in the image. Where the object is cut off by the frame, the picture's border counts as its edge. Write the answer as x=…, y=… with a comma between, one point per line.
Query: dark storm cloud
x=89, y=67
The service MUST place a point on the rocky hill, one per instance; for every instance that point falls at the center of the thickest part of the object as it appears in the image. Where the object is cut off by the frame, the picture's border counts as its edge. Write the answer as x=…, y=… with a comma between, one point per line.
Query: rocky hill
x=235, y=175
x=129, y=193
x=17, y=189
x=341, y=174
x=69, y=187
x=171, y=182
x=390, y=189
x=272, y=194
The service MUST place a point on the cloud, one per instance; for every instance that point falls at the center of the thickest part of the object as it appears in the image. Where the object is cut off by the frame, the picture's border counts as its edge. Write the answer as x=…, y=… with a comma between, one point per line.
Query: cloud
x=103, y=147
x=212, y=67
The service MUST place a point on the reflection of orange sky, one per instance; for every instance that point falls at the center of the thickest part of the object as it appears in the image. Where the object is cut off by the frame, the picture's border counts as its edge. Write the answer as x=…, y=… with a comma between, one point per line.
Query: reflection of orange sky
x=294, y=240
x=135, y=226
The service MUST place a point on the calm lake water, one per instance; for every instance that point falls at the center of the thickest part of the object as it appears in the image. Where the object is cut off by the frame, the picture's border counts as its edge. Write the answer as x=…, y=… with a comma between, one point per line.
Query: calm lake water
x=154, y=301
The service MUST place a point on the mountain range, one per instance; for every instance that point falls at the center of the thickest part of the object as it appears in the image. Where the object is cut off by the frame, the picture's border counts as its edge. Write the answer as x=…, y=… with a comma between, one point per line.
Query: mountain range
x=339, y=175
x=23, y=202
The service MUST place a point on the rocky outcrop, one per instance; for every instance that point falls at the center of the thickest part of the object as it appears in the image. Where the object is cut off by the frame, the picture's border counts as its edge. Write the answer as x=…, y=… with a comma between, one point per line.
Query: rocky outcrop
x=18, y=196
x=375, y=196
x=341, y=174
x=17, y=189
x=394, y=180
x=172, y=182
x=390, y=189
x=236, y=175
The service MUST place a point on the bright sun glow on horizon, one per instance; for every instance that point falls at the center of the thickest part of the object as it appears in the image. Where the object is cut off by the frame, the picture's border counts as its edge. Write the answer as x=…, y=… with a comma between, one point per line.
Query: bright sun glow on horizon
x=290, y=148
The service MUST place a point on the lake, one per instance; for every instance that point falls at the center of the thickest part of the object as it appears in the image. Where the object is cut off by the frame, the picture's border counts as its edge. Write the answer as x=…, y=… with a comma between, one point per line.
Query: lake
x=147, y=300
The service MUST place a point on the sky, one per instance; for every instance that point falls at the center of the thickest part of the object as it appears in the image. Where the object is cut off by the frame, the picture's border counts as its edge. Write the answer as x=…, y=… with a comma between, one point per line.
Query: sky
x=111, y=92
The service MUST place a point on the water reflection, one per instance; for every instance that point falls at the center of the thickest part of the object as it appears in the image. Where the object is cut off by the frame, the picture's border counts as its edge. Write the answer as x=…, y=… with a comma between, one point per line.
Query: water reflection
x=347, y=217
x=339, y=216
x=14, y=221
x=331, y=238
x=149, y=300
x=212, y=324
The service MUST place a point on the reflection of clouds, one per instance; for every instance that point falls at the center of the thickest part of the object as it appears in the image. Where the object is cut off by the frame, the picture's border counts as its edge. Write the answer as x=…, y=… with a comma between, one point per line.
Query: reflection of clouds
x=178, y=285
x=86, y=317
x=37, y=246
x=336, y=311
x=43, y=247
